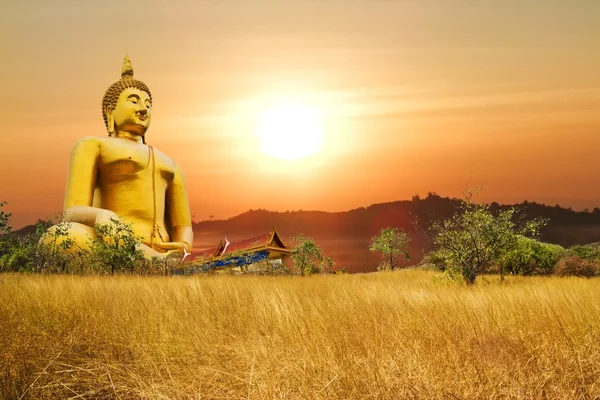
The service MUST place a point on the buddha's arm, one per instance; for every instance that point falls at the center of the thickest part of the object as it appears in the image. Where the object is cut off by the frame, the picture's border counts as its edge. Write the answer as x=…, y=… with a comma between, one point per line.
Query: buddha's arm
x=178, y=212
x=81, y=182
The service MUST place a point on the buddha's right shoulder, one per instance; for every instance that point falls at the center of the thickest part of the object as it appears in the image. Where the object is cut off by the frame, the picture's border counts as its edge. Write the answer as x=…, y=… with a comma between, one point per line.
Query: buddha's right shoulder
x=90, y=139
x=87, y=143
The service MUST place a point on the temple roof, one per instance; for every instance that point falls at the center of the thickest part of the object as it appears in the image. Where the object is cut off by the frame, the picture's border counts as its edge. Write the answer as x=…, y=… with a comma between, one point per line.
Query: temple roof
x=266, y=241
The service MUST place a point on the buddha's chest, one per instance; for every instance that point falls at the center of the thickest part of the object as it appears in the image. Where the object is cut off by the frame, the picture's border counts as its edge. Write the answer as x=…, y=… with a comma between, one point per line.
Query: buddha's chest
x=122, y=159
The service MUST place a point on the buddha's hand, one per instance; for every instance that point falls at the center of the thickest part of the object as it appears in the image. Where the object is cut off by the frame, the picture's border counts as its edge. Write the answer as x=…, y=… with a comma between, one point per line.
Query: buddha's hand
x=181, y=247
x=104, y=216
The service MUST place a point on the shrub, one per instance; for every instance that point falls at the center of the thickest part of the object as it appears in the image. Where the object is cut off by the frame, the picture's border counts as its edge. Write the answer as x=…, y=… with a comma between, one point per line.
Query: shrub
x=529, y=257
x=435, y=260
x=576, y=266
x=159, y=265
x=586, y=251
x=266, y=267
x=17, y=260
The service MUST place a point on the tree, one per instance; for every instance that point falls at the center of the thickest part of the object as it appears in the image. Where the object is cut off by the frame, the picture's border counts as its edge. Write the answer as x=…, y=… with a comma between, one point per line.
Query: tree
x=115, y=247
x=50, y=247
x=4, y=220
x=27, y=253
x=162, y=265
x=328, y=265
x=6, y=238
x=306, y=255
x=392, y=243
x=472, y=240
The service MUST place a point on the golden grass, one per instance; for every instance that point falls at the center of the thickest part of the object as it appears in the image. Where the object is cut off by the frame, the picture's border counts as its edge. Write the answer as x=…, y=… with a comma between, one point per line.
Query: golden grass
x=373, y=336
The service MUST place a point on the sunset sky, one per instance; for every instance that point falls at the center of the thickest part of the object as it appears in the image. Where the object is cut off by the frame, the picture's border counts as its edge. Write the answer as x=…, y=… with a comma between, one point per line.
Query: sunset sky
x=408, y=97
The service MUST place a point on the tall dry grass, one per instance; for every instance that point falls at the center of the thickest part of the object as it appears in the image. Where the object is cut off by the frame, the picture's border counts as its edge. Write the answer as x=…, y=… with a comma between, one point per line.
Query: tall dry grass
x=385, y=335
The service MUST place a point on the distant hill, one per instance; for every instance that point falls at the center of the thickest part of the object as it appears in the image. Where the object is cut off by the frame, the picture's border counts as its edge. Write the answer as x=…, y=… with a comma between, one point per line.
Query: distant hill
x=346, y=235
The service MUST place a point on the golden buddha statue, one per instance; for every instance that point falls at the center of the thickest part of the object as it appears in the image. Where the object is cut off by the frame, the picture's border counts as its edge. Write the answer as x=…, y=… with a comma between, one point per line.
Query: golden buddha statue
x=121, y=177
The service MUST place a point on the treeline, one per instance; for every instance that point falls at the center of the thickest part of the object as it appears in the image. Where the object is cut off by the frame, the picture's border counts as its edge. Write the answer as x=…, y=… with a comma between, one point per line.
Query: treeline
x=474, y=239
x=481, y=238
x=49, y=249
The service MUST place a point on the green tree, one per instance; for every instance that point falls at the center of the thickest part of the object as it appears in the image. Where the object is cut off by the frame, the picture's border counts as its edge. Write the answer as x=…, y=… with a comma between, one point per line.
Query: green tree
x=52, y=250
x=4, y=220
x=42, y=251
x=116, y=247
x=306, y=255
x=530, y=256
x=327, y=265
x=6, y=237
x=474, y=239
x=586, y=251
x=392, y=243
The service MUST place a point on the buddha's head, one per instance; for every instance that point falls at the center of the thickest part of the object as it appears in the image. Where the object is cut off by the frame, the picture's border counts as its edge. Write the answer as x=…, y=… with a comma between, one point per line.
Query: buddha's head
x=127, y=104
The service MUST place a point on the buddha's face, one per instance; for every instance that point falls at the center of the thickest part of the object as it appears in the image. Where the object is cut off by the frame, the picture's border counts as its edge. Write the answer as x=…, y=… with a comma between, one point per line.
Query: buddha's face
x=132, y=112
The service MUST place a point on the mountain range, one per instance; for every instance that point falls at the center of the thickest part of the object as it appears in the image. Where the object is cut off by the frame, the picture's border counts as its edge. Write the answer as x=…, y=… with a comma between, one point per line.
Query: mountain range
x=345, y=236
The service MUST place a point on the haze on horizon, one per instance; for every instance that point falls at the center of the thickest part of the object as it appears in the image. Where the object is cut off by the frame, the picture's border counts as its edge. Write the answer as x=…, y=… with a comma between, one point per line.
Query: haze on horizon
x=412, y=97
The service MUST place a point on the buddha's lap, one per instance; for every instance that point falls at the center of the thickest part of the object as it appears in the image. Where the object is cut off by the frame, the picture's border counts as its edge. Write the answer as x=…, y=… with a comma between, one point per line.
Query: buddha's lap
x=81, y=234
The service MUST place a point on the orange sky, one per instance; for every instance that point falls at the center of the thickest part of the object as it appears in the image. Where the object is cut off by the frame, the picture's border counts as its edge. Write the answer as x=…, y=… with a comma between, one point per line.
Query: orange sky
x=415, y=96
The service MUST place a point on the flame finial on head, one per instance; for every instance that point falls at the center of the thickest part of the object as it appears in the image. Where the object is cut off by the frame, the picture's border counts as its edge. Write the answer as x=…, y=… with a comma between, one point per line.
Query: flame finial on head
x=127, y=69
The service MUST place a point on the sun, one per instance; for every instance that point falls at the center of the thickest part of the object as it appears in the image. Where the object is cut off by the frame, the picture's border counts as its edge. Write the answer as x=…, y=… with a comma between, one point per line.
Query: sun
x=290, y=131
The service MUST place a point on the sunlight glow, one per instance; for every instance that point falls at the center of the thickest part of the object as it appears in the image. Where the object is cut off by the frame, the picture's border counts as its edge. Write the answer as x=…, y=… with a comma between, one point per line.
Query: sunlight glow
x=290, y=131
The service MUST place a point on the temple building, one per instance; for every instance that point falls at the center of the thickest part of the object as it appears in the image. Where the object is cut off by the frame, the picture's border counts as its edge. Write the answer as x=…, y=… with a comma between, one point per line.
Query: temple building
x=267, y=249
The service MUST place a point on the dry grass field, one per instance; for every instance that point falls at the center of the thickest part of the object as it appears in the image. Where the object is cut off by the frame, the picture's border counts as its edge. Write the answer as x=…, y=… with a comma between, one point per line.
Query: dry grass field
x=368, y=336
